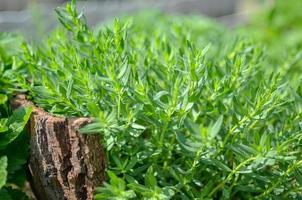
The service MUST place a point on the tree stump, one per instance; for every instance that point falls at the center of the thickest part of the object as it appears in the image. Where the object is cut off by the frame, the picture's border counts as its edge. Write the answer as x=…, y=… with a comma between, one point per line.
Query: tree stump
x=64, y=164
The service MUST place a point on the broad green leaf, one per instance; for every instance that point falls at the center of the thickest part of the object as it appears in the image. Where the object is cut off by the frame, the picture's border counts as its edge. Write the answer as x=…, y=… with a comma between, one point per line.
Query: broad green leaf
x=16, y=123
x=3, y=125
x=3, y=98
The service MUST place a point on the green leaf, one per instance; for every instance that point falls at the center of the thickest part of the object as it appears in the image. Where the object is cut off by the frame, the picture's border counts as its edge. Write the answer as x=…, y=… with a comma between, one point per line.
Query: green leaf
x=214, y=122
x=150, y=179
x=168, y=192
x=5, y=195
x=192, y=127
x=217, y=164
x=183, y=144
x=116, y=181
x=16, y=123
x=3, y=172
x=17, y=158
x=9, y=193
x=138, y=126
x=138, y=188
x=3, y=125
x=3, y=99
x=216, y=127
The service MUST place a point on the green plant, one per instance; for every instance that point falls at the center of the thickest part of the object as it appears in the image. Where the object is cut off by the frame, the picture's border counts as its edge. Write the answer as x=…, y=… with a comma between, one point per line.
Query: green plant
x=184, y=109
x=12, y=159
x=278, y=27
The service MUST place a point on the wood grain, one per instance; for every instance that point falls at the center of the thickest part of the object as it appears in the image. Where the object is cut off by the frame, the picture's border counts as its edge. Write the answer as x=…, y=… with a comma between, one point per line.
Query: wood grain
x=64, y=164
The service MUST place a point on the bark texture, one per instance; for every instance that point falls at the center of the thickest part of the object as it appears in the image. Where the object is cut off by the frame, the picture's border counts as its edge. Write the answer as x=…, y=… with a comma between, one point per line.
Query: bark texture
x=64, y=164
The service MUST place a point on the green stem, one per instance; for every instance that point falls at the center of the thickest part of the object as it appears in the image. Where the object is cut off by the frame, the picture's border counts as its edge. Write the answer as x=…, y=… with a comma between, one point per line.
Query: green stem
x=218, y=187
x=119, y=105
x=163, y=132
x=281, y=179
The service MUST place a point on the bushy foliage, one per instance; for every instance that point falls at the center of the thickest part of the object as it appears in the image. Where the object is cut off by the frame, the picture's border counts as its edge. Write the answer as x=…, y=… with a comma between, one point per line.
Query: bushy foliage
x=184, y=109
x=12, y=159
x=279, y=29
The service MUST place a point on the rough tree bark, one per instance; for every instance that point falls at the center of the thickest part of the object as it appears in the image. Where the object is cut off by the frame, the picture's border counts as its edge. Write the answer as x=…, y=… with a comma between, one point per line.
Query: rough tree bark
x=64, y=164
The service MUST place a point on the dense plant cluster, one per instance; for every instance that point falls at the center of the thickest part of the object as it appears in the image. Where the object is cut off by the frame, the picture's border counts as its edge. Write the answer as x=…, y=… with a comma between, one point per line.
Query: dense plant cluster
x=280, y=30
x=184, y=109
x=12, y=159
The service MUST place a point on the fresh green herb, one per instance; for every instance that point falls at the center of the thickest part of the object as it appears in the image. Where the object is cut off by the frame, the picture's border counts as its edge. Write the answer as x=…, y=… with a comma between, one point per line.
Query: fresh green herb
x=179, y=118
x=184, y=109
x=279, y=28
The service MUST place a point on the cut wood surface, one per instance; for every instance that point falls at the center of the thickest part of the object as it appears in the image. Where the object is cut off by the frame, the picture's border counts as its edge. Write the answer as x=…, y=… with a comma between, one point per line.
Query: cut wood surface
x=64, y=164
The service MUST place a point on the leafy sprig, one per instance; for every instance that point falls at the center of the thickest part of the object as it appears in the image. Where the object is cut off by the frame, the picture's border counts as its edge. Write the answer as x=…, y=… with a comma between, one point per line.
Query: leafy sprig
x=184, y=110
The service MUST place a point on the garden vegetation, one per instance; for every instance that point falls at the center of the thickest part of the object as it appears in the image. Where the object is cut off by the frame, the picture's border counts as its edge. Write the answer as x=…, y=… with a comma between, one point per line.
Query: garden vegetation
x=185, y=108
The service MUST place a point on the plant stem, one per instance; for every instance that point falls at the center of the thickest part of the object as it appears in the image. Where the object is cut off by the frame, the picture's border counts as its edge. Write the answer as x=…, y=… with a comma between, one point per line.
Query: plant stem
x=230, y=175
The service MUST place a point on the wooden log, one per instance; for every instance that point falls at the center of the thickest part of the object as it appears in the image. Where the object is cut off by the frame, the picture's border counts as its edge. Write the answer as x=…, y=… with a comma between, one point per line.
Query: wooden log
x=64, y=164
